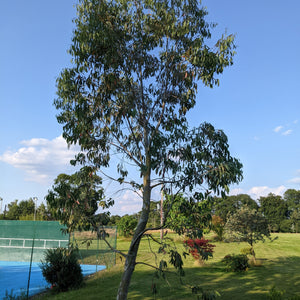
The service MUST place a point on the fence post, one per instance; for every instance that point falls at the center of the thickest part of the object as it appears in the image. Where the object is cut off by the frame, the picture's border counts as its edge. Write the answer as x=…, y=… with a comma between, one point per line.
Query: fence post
x=31, y=256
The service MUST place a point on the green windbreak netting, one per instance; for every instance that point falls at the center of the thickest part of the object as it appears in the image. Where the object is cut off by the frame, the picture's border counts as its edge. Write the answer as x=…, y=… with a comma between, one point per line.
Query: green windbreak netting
x=21, y=240
x=93, y=249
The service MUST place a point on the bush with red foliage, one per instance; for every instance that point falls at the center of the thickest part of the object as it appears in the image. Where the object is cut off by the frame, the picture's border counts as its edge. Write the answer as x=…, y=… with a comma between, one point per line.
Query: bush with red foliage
x=200, y=248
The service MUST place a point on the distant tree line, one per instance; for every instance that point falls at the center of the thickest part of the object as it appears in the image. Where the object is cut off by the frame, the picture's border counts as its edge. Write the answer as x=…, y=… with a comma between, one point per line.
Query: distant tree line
x=25, y=210
x=282, y=212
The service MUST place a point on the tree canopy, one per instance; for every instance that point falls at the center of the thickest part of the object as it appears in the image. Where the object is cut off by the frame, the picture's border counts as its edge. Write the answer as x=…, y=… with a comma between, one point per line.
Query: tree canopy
x=136, y=69
x=275, y=209
x=74, y=199
x=292, y=198
x=248, y=225
x=25, y=210
x=224, y=207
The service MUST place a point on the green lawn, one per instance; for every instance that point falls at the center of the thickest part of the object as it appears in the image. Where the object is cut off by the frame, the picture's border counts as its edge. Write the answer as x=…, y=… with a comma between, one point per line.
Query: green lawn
x=280, y=267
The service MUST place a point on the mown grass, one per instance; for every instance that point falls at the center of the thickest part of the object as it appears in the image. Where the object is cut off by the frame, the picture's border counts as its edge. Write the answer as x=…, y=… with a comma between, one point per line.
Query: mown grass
x=280, y=267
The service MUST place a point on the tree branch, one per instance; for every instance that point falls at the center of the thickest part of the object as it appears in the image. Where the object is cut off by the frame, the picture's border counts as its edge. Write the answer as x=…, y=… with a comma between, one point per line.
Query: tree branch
x=142, y=233
x=158, y=122
x=125, y=150
x=184, y=178
x=136, y=141
x=113, y=249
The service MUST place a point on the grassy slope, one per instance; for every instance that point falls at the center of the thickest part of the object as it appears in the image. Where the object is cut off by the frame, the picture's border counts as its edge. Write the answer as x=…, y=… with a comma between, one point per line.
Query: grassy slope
x=281, y=267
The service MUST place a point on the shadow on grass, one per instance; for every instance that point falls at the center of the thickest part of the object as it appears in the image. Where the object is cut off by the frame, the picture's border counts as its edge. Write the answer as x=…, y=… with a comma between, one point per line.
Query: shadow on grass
x=253, y=284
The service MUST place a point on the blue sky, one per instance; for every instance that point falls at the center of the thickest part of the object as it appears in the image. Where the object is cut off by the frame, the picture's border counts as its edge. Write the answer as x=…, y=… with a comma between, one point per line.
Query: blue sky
x=257, y=103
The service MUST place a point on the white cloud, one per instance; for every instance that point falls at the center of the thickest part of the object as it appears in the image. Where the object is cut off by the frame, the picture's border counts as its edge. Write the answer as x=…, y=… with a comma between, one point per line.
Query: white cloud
x=259, y=191
x=41, y=159
x=262, y=191
x=295, y=180
x=285, y=129
x=127, y=203
x=287, y=132
x=278, y=128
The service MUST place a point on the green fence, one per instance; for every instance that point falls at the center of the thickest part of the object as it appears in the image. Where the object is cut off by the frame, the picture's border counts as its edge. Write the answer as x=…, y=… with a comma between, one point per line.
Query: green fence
x=93, y=248
x=28, y=240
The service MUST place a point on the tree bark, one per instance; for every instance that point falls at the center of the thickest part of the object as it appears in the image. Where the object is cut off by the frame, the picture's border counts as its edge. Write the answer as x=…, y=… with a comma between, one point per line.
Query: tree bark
x=135, y=242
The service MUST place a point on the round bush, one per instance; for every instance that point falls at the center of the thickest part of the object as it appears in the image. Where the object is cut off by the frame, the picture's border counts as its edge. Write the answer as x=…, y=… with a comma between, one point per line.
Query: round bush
x=236, y=263
x=62, y=269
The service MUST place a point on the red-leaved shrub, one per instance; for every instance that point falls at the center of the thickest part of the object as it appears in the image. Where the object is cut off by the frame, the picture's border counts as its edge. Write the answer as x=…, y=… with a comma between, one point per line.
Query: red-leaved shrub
x=200, y=248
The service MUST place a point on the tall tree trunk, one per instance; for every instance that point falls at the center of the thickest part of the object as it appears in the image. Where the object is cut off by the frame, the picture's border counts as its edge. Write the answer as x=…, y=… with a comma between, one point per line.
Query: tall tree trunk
x=135, y=242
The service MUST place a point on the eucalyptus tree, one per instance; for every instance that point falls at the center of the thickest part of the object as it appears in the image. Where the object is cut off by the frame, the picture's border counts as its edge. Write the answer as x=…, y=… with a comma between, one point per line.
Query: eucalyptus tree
x=136, y=69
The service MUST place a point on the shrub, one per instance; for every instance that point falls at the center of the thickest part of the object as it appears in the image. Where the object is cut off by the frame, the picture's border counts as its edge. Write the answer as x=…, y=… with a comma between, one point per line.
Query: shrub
x=205, y=294
x=210, y=295
x=62, y=269
x=200, y=248
x=275, y=294
x=236, y=263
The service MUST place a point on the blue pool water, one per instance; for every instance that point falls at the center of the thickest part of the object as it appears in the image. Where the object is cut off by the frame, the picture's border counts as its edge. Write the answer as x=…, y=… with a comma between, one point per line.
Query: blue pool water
x=14, y=277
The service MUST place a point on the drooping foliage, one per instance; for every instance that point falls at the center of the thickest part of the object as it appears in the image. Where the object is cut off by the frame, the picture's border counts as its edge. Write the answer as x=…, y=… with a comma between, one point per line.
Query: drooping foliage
x=136, y=66
x=136, y=69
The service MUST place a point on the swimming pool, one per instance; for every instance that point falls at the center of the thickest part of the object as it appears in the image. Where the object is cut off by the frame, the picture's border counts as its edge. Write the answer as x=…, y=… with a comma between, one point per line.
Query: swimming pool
x=14, y=277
